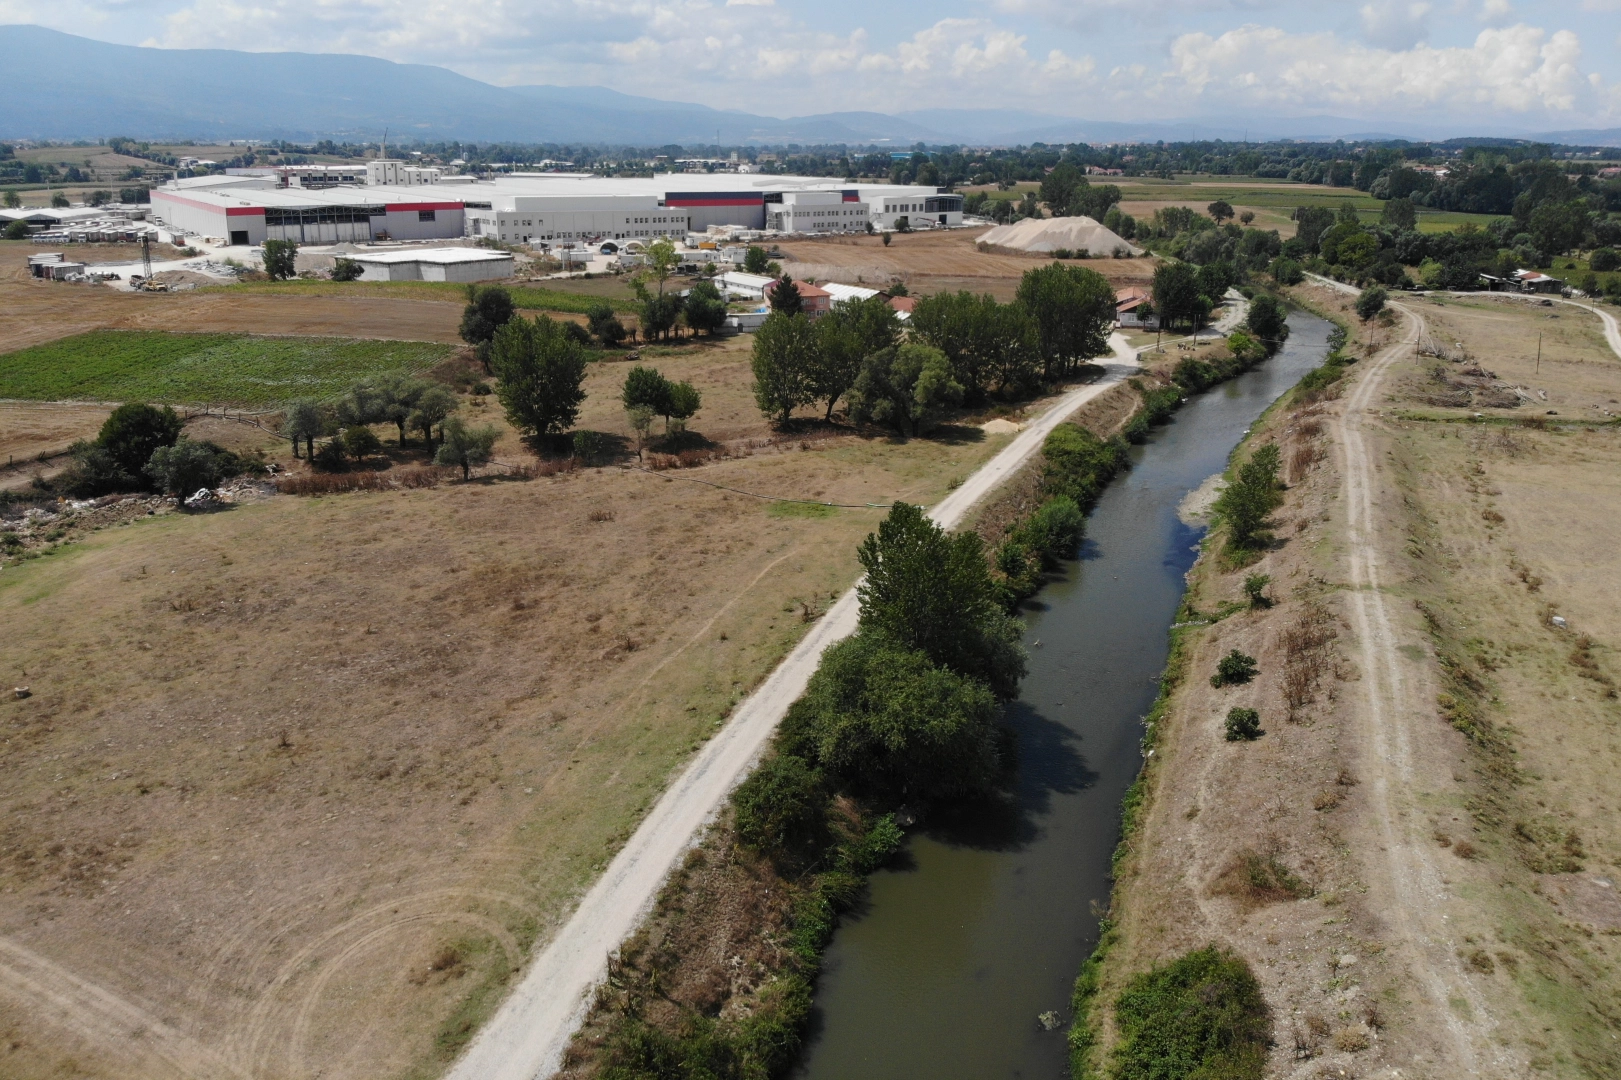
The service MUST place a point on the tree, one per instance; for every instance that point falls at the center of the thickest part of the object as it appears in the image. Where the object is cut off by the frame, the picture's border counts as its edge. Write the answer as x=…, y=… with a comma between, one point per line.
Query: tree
x=1399, y=214
x=346, y=270
x=755, y=259
x=1287, y=271
x=488, y=309
x=1234, y=669
x=1243, y=724
x=12, y=200
x=781, y=809
x=185, y=467
x=362, y=404
x=1371, y=302
x=641, y=422
x=784, y=297
x=932, y=591
x=705, y=308
x=658, y=312
x=59, y=201
x=659, y=260
x=1250, y=499
x=908, y=388
x=465, y=446
x=645, y=386
x=1311, y=223
x=784, y=358
x=280, y=258
x=1073, y=309
x=541, y=372
x=1059, y=187
x=17, y=230
x=1176, y=293
x=361, y=442
x=605, y=325
x=134, y=431
x=432, y=406
x=890, y=724
x=397, y=395
x=1268, y=319
x=989, y=344
x=685, y=401
x=1246, y=217
x=1604, y=260
x=851, y=331
x=303, y=421
x=1221, y=210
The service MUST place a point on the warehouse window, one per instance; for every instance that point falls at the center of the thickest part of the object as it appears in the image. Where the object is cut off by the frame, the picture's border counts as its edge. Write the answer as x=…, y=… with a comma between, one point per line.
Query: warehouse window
x=425, y=215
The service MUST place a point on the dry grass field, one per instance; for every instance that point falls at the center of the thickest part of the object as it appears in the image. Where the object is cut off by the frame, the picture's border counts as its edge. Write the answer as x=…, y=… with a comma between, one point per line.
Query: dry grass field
x=1502, y=779
x=932, y=262
x=301, y=782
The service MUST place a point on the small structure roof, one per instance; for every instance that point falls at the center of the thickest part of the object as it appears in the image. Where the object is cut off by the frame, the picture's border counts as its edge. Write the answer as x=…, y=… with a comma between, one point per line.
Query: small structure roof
x=442, y=255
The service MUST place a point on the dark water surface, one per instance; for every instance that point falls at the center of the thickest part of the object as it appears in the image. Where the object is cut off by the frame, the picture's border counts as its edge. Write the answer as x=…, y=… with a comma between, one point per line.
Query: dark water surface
x=979, y=929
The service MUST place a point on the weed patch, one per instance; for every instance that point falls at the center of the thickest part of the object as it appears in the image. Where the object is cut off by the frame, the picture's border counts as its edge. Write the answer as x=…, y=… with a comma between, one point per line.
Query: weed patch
x=1201, y=1015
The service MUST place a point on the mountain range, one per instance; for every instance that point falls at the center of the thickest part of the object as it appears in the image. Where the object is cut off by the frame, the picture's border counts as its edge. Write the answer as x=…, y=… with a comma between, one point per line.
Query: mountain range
x=66, y=87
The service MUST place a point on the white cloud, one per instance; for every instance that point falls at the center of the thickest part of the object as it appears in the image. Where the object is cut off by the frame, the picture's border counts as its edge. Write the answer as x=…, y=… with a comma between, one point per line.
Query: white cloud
x=1395, y=24
x=1516, y=69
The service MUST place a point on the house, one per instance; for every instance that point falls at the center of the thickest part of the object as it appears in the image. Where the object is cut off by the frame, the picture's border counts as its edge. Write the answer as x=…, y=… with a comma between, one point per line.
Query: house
x=1532, y=281
x=1134, y=309
x=745, y=286
x=814, y=302
x=903, y=306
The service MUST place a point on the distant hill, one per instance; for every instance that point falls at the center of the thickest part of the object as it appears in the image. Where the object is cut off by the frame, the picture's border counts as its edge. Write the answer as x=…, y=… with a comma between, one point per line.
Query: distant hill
x=60, y=86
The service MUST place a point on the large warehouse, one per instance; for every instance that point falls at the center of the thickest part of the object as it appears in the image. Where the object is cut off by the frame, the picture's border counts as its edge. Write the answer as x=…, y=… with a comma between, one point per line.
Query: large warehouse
x=541, y=208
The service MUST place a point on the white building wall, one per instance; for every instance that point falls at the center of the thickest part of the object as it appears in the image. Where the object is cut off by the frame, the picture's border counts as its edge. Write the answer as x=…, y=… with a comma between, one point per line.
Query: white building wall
x=817, y=212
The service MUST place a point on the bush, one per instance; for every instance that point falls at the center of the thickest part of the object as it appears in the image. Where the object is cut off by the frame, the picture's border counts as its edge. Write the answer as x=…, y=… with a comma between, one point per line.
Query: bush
x=331, y=457
x=1287, y=272
x=346, y=270
x=1054, y=531
x=888, y=723
x=1243, y=725
x=589, y=445
x=1235, y=667
x=186, y=467
x=1268, y=319
x=1255, y=588
x=94, y=472
x=1249, y=501
x=1604, y=260
x=1202, y=1015
x=781, y=810
x=605, y=325
x=1079, y=464
x=361, y=442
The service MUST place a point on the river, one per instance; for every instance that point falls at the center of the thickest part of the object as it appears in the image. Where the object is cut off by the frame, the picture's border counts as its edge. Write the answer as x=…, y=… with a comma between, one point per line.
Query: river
x=979, y=927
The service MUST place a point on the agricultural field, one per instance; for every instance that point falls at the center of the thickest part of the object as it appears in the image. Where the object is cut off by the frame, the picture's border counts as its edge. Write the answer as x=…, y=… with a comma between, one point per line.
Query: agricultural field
x=218, y=369
x=570, y=296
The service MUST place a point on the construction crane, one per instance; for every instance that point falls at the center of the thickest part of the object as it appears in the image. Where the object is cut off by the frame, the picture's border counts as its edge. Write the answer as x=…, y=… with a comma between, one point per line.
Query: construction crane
x=147, y=284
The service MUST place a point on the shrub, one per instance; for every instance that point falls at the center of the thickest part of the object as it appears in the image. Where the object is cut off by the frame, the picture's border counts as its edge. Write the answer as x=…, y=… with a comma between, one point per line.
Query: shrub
x=1604, y=260
x=331, y=457
x=1249, y=500
x=888, y=723
x=1079, y=464
x=1255, y=588
x=361, y=442
x=1243, y=724
x=1054, y=531
x=1202, y=1015
x=781, y=810
x=605, y=325
x=1371, y=302
x=589, y=445
x=185, y=467
x=346, y=270
x=1234, y=668
x=1287, y=272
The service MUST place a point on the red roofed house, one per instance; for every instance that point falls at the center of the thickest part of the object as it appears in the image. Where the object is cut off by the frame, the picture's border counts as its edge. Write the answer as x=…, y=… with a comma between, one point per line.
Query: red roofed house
x=813, y=302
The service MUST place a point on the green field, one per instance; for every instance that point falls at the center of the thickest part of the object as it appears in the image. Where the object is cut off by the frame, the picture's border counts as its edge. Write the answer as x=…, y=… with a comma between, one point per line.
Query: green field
x=573, y=296
x=213, y=369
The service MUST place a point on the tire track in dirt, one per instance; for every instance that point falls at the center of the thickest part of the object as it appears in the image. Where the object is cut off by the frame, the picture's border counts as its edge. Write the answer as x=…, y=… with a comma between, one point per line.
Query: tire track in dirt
x=125, y=1031
x=1384, y=729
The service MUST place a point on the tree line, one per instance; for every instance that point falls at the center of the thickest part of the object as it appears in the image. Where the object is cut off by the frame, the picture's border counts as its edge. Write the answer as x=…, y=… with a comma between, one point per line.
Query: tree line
x=961, y=348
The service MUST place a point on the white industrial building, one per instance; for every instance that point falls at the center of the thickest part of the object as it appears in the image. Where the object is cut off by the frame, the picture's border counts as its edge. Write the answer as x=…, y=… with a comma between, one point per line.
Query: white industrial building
x=541, y=209
x=434, y=264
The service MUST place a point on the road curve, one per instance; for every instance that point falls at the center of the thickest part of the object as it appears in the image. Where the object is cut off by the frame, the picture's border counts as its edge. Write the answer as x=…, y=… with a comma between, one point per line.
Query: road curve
x=528, y=1035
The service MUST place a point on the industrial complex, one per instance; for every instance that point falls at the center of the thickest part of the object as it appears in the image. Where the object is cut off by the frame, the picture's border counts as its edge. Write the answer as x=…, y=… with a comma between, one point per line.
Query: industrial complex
x=395, y=202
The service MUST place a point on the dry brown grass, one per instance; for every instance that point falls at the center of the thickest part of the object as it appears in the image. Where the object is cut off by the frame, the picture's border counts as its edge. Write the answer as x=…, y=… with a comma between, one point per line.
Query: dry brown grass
x=278, y=758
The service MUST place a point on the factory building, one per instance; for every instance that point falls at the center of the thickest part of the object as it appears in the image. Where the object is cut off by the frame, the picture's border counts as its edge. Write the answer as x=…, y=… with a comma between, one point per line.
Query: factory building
x=246, y=216
x=537, y=209
x=434, y=264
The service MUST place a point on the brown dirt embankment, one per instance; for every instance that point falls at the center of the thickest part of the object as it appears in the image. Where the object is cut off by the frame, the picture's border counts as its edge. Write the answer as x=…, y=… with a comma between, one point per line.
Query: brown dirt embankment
x=1416, y=859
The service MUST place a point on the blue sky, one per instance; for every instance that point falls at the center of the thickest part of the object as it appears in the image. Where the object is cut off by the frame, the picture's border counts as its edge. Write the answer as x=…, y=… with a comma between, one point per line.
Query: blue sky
x=1503, y=64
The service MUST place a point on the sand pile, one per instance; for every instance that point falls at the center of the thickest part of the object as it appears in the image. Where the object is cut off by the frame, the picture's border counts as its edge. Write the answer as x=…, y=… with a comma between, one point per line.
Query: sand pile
x=1051, y=234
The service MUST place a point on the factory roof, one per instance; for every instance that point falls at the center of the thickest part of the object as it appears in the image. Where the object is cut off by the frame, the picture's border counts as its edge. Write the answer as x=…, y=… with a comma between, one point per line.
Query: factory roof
x=442, y=255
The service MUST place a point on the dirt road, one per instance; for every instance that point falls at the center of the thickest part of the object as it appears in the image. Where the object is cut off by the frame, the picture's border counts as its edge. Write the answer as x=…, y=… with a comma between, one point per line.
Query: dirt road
x=1396, y=702
x=527, y=1037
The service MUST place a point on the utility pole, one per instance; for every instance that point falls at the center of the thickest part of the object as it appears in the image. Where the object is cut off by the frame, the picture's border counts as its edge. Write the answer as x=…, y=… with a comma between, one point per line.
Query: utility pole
x=1539, y=354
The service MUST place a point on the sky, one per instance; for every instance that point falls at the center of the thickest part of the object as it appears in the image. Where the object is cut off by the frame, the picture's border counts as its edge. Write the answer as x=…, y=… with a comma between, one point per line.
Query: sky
x=1530, y=65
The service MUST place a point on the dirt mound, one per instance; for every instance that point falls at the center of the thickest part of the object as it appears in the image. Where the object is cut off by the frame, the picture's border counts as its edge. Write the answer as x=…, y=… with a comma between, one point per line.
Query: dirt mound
x=1054, y=234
